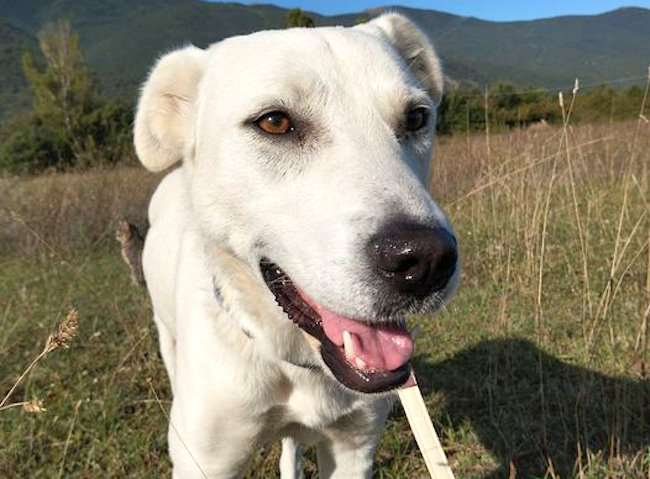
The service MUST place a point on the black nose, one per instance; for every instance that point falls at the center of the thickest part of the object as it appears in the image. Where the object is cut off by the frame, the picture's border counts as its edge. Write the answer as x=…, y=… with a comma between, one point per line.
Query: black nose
x=414, y=259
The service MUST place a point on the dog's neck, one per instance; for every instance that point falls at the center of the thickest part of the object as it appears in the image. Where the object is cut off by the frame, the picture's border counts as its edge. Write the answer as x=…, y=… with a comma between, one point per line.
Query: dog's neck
x=216, y=291
x=250, y=305
x=235, y=289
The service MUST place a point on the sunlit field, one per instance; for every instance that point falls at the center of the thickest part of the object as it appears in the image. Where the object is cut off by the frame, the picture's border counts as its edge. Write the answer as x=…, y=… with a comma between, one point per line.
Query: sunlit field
x=538, y=367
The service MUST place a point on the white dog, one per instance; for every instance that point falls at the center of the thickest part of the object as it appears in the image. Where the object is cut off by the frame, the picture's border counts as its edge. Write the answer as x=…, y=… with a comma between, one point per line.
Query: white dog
x=286, y=251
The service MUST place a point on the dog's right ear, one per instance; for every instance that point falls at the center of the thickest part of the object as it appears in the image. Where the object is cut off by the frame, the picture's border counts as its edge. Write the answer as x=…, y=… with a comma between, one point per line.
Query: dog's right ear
x=414, y=47
x=163, y=131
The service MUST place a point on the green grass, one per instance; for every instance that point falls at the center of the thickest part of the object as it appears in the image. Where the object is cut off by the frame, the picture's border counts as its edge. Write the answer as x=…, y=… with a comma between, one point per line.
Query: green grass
x=100, y=418
x=548, y=378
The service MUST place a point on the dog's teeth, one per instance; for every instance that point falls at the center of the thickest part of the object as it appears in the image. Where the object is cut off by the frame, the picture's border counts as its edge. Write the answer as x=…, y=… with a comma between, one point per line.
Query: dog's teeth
x=361, y=364
x=348, y=345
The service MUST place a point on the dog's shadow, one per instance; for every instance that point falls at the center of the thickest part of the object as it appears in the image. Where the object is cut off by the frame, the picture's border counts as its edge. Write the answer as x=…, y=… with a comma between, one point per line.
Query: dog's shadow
x=528, y=407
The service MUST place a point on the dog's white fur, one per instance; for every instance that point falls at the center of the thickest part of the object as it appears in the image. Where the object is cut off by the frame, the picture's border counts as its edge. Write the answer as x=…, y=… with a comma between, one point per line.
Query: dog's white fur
x=234, y=359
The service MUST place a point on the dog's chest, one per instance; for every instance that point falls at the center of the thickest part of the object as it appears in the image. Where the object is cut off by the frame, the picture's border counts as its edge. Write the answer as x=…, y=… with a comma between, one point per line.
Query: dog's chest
x=313, y=402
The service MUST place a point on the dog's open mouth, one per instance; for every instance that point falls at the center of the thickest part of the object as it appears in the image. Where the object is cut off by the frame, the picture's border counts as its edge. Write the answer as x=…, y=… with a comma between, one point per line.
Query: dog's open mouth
x=364, y=357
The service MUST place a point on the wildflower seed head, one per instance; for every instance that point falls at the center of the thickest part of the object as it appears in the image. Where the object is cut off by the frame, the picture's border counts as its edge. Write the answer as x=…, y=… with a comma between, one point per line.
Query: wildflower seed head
x=65, y=335
x=34, y=406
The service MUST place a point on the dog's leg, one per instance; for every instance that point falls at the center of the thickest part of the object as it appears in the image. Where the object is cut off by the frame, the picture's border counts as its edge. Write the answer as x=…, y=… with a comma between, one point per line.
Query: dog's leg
x=214, y=426
x=349, y=448
x=340, y=460
x=204, y=449
x=167, y=350
x=291, y=459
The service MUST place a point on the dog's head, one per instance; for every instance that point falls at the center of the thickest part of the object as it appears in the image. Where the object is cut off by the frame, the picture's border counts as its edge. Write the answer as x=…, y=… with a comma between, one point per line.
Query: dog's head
x=307, y=156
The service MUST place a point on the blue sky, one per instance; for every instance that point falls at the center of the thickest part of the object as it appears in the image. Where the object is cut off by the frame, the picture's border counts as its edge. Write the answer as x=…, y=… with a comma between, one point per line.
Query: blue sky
x=498, y=10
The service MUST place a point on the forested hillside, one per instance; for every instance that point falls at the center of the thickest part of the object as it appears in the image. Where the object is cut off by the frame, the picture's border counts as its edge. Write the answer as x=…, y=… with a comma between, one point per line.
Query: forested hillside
x=120, y=39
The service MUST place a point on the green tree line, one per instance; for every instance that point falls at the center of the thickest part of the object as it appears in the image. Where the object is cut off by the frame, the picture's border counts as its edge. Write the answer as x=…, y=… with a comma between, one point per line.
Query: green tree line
x=69, y=125
x=465, y=108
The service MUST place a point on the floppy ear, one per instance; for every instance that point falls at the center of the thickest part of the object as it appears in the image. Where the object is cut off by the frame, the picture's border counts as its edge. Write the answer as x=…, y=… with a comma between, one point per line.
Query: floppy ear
x=163, y=122
x=414, y=47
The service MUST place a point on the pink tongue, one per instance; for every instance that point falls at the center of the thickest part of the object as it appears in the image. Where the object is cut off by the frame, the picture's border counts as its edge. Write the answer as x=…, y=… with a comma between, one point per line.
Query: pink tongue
x=380, y=347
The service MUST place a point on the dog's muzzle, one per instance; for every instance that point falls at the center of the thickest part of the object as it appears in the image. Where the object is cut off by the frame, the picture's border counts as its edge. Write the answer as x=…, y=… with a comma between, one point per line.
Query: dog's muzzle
x=412, y=259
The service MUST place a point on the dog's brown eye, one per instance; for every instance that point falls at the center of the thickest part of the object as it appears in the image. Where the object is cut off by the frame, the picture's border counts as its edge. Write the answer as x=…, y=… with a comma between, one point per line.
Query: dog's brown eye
x=417, y=118
x=275, y=123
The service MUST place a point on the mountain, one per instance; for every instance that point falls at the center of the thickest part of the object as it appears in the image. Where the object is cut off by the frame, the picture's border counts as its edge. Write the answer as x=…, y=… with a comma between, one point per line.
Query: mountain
x=13, y=43
x=122, y=38
x=545, y=53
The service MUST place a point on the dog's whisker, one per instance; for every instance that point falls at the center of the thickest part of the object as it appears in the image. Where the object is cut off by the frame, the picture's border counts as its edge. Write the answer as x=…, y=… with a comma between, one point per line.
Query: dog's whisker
x=281, y=280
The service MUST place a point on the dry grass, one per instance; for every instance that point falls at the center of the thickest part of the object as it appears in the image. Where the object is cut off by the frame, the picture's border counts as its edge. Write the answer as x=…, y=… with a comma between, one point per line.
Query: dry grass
x=538, y=368
x=554, y=226
x=63, y=213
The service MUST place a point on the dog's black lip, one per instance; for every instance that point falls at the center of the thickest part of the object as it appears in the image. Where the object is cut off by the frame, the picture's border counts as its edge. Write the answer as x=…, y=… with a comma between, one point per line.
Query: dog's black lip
x=306, y=318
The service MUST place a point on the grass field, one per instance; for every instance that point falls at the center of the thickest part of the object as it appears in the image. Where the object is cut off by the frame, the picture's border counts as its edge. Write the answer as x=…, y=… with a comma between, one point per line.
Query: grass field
x=537, y=368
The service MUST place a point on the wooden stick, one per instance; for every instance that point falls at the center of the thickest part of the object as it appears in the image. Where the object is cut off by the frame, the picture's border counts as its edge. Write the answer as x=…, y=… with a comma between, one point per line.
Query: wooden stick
x=425, y=434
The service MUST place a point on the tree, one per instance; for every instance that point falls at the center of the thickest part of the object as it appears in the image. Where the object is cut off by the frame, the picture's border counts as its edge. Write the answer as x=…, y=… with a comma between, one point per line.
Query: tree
x=461, y=110
x=27, y=146
x=69, y=125
x=298, y=18
x=63, y=91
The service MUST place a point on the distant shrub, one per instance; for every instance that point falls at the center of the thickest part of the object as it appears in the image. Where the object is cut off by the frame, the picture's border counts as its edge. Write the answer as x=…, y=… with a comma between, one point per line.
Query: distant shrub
x=297, y=18
x=107, y=135
x=27, y=145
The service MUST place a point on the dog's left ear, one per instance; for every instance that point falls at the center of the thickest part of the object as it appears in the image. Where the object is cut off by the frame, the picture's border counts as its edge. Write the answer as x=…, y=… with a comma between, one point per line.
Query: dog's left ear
x=163, y=127
x=414, y=47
